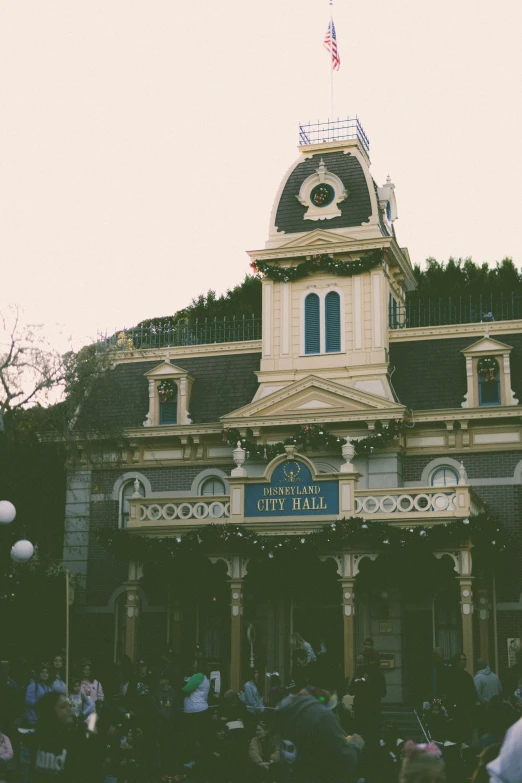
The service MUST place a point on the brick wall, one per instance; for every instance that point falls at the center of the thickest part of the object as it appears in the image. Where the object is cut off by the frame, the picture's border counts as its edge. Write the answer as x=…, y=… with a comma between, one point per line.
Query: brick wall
x=498, y=464
x=174, y=479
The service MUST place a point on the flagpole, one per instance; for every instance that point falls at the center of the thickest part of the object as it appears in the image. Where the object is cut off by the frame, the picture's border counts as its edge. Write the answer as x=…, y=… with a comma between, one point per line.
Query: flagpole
x=331, y=64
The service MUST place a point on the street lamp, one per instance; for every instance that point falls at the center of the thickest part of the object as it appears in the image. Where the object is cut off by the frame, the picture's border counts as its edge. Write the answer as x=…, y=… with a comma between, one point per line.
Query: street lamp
x=23, y=550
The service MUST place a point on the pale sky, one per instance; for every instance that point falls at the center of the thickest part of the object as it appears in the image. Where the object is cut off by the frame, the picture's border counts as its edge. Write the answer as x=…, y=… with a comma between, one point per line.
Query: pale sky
x=142, y=143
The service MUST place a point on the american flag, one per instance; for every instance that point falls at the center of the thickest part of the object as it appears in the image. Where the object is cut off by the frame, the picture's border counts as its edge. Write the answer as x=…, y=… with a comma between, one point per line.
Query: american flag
x=336, y=60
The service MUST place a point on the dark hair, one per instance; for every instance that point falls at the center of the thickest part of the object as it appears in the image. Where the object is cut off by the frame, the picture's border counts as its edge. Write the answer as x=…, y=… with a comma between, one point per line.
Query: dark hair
x=275, y=679
x=369, y=639
x=46, y=712
x=456, y=658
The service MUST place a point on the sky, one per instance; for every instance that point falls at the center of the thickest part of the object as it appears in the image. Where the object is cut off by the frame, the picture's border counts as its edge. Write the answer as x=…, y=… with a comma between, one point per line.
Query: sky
x=142, y=143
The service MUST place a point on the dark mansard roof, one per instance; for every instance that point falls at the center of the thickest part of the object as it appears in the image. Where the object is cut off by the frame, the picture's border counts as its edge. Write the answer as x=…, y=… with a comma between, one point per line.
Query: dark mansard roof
x=355, y=211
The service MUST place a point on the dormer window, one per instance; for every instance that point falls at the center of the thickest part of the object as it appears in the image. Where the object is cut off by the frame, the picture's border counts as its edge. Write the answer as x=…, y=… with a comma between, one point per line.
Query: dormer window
x=488, y=374
x=168, y=400
x=322, y=323
x=169, y=395
x=488, y=381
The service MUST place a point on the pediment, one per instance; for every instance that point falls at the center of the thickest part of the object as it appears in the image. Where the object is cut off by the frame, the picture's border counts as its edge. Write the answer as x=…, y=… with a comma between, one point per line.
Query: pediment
x=318, y=237
x=314, y=395
x=485, y=345
x=167, y=370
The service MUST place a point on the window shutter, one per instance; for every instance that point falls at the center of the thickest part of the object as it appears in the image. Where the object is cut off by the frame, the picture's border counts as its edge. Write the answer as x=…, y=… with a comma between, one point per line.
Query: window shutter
x=169, y=412
x=332, y=319
x=312, y=333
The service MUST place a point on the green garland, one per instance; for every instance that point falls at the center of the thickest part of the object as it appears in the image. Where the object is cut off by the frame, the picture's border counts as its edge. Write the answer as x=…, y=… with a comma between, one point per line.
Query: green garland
x=318, y=263
x=487, y=535
x=314, y=437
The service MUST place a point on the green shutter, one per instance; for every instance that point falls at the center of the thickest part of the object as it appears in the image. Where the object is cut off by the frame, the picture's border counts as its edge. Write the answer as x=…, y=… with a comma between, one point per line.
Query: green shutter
x=312, y=333
x=169, y=412
x=332, y=318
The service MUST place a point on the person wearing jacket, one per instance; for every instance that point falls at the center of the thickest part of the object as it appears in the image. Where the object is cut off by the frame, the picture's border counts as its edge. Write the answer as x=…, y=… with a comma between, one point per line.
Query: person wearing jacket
x=507, y=767
x=6, y=752
x=263, y=752
x=250, y=695
x=313, y=742
x=487, y=684
x=58, y=674
x=195, y=706
x=298, y=643
x=34, y=692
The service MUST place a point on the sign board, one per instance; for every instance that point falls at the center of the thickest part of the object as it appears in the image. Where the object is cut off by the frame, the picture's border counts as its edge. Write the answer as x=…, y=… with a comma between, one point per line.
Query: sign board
x=513, y=646
x=292, y=492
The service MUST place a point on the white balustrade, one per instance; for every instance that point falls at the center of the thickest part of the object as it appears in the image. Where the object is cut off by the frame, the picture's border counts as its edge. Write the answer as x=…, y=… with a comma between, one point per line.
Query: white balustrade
x=400, y=501
x=177, y=510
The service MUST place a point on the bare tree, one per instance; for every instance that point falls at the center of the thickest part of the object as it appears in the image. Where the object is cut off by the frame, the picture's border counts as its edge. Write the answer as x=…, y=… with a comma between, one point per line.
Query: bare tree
x=29, y=368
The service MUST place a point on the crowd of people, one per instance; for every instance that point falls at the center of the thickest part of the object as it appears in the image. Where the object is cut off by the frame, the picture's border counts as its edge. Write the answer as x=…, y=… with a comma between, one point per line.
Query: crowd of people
x=142, y=724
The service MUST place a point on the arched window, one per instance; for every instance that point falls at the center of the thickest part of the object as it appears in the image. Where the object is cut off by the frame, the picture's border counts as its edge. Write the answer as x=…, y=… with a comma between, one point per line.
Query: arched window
x=444, y=477
x=212, y=486
x=127, y=491
x=168, y=397
x=488, y=381
x=332, y=320
x=312, y=327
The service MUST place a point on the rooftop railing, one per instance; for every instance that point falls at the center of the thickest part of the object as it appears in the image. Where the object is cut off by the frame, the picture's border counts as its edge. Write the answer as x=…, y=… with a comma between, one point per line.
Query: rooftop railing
x=165, y=334
x=333, y=130
x=454, y=310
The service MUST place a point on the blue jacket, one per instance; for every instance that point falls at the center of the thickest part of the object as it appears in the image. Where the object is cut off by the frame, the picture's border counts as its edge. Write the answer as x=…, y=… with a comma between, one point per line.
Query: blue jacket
x=34, y=691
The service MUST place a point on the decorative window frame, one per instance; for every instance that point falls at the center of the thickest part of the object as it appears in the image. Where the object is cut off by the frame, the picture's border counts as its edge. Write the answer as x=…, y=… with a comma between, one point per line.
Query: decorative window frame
x=206, y=474
x=488, y=346
x=121, y=483
x=184, y=381
x=388, y=202
x=319, y=177
x=321, y=293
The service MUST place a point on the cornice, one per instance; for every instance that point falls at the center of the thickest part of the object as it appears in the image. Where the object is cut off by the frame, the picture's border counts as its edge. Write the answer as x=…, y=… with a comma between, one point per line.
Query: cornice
x=186, y=352
x=455, y=330
x=468, y=414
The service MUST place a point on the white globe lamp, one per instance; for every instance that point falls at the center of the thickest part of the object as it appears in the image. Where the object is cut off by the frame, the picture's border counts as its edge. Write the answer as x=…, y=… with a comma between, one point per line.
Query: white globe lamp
x=7, y=512
x=22, y=551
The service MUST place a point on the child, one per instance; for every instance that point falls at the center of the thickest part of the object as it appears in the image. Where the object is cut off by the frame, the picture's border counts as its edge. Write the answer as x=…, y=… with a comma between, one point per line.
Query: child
x=81, y=705
x=422, y=763
x=90, y=686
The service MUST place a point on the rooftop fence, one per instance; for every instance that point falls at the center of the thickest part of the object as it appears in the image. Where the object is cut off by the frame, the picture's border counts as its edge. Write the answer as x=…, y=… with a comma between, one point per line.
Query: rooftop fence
x=333, y=130
x=454, y=310
x=165, y=334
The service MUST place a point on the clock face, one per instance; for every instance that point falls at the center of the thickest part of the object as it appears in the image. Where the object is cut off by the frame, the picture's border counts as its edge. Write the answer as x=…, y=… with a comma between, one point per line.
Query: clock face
x=322, y=195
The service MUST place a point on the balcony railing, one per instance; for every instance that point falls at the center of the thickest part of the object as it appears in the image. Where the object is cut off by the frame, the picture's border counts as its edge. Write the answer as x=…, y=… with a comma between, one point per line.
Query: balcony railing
x=454, y=310
x=166, y=334
x=145, y=512
x=421, y=504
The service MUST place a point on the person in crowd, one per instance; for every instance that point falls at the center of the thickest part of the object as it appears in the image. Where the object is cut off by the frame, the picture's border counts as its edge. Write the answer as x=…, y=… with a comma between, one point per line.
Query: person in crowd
x=507, y=767
x=276, y=692
x=90, y=686
x=232, y=719
x=263, y=752
x=166, y=711
x=439, y=675
x=301, y=672
x=58, y=674
x=371, y=656
x=437, y=722
x=250, y=695
x=139, y=689
x=422, y=764
x=60, y=753
x=462, y=697
x=298, y=643
x=314, y=745
x=81, y=705
x=37, y=688
x=368, y=687
x=6, y=753
x=195, y=708
x=513, y=675
x=487, y=684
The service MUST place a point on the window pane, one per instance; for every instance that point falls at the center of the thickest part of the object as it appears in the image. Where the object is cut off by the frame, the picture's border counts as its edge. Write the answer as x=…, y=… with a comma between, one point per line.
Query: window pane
x=312, y=333
x=168, y=412
x=444, y=477
x=213, y=486
x=333, y=321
